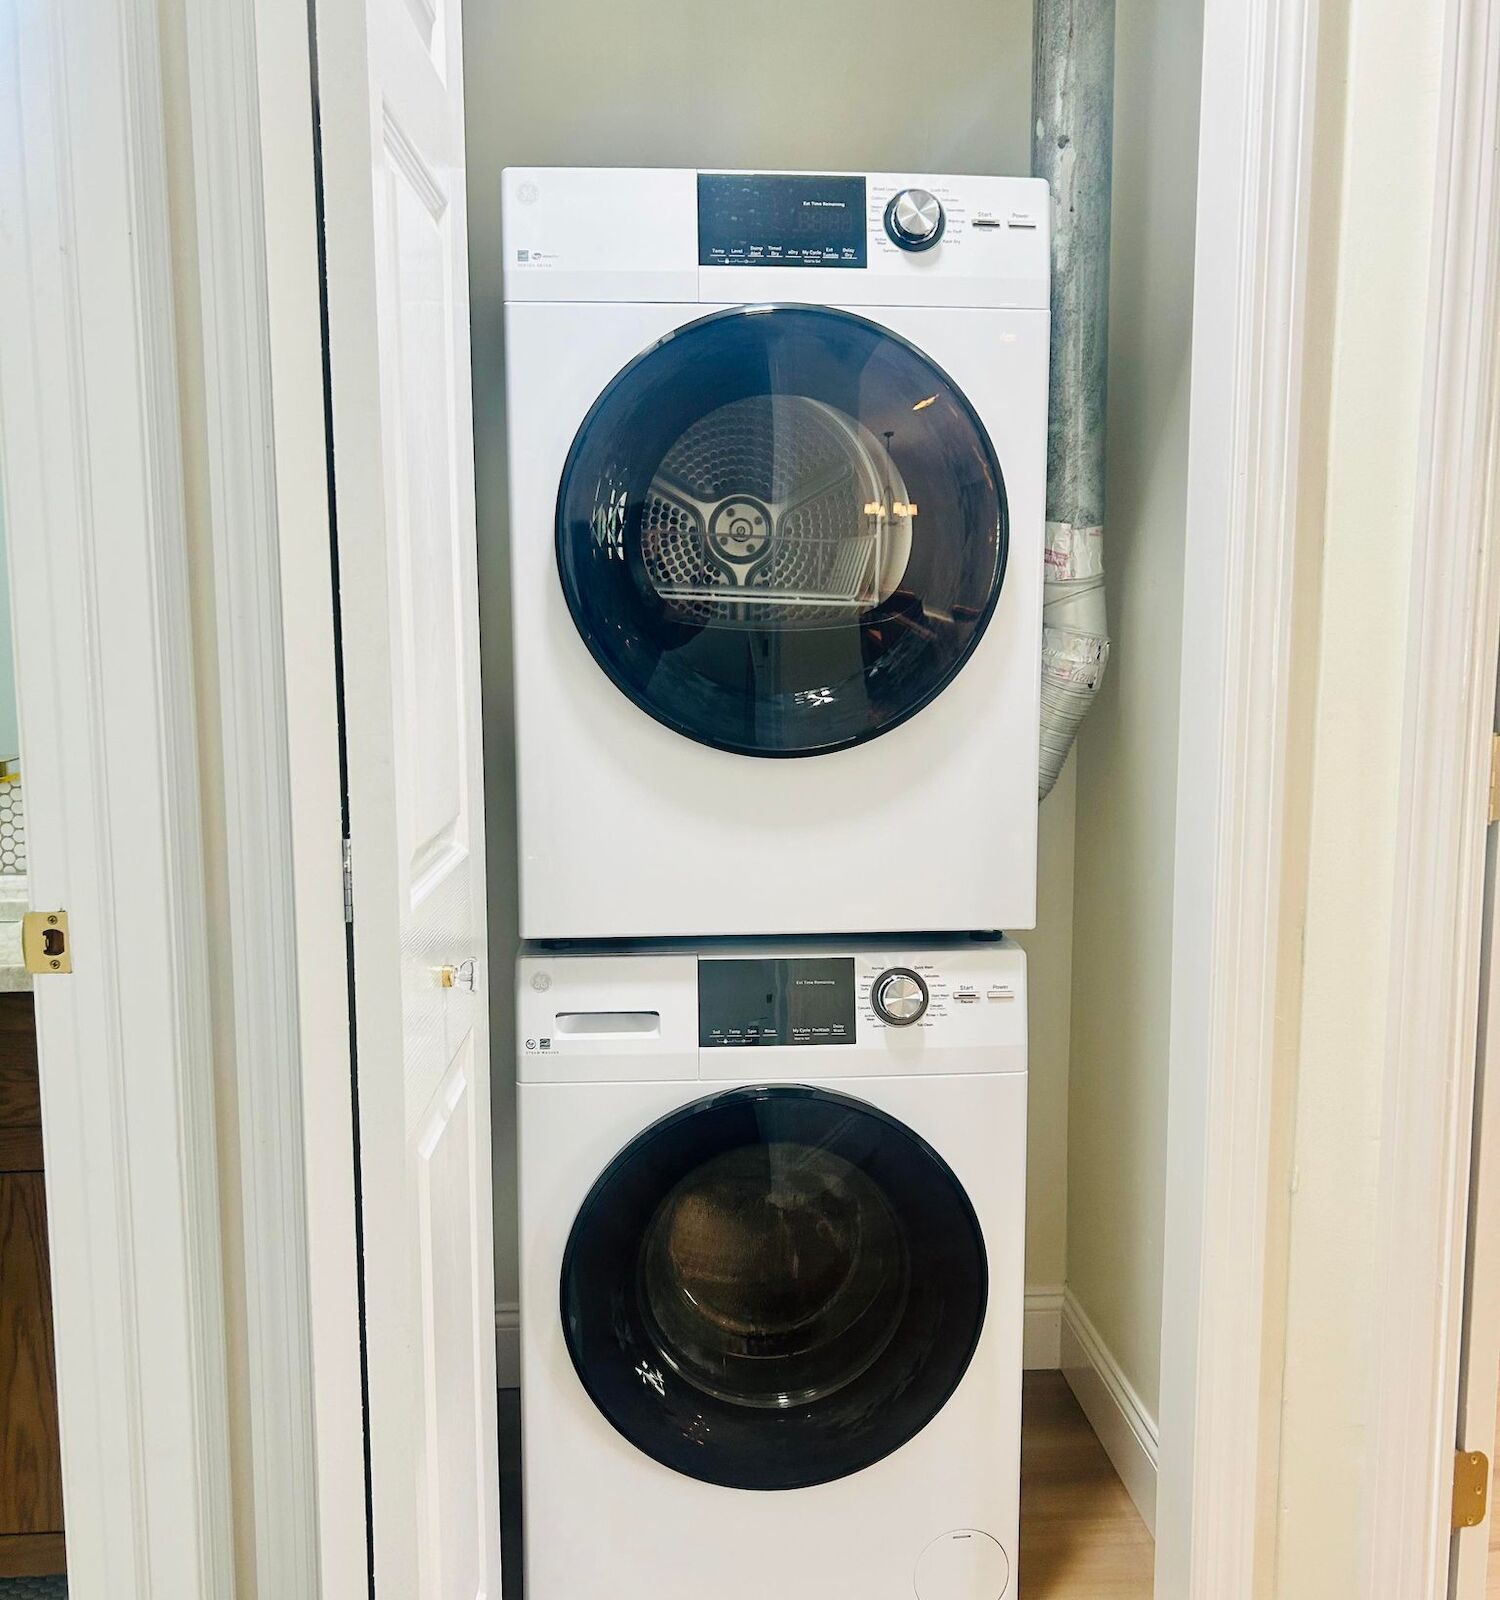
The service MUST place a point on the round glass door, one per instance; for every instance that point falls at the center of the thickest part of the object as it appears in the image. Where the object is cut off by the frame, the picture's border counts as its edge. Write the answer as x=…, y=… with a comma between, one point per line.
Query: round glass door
x=781, y=531
x=774, y=1288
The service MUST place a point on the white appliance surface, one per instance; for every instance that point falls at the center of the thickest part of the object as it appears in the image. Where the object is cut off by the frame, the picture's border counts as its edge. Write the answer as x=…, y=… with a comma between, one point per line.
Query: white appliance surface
x=938, y=1517
x=627, y=827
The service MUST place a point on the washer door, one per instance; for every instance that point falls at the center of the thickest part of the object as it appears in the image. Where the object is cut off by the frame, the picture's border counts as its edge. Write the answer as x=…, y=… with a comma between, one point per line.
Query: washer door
x=782, y=530
x=774, y=1287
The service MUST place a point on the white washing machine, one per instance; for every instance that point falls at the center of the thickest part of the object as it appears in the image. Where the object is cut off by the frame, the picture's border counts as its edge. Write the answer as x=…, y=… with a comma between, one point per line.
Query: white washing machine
x=777, y=470
x=772, y=1239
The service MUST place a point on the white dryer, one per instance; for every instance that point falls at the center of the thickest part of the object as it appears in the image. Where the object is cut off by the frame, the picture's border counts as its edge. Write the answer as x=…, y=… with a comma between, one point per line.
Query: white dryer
x=777, y=469
x=772, y=1241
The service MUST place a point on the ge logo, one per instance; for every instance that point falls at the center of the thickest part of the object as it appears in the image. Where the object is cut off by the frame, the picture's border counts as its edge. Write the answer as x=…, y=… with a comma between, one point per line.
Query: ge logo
x=528, y=194
x=540, y=982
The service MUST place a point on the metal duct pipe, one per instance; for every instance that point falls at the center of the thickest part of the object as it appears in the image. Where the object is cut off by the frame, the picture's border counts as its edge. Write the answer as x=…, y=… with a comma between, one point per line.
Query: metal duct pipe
x=1072, y=148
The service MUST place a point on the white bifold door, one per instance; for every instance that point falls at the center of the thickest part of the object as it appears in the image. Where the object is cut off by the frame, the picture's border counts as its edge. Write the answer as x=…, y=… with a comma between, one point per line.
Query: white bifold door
x=390, y=98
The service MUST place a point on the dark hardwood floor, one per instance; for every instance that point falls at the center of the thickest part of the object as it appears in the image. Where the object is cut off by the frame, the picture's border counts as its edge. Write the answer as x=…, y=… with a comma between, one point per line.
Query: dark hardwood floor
x=31, y=1511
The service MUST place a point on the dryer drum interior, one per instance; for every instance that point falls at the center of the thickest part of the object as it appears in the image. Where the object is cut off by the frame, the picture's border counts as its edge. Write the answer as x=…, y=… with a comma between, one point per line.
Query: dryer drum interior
x=781, y=531
x=773, y=1288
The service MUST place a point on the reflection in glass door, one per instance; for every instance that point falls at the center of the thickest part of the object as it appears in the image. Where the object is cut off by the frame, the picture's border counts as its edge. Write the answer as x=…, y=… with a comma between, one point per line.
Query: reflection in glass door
x=782, y=531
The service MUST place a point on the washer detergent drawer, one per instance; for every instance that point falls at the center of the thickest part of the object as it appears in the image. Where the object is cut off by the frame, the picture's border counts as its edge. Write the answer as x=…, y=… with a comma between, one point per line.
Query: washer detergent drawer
x=586, y=1019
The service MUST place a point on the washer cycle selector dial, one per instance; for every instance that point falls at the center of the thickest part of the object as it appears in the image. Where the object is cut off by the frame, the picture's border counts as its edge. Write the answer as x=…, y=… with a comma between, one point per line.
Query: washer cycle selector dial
x=899, y=997
x=914, y=219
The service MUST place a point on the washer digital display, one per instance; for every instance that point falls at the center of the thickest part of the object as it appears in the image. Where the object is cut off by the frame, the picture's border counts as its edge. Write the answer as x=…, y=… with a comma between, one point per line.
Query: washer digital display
x=776, y=1002
x=746, y=220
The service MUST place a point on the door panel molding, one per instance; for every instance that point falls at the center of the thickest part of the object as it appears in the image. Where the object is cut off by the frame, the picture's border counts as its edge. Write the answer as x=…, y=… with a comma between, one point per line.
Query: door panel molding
x=395, y=211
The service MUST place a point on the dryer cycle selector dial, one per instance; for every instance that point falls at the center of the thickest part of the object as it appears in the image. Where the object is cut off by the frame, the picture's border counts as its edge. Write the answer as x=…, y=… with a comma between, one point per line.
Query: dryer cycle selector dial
x=899, y=996
x=914, y=219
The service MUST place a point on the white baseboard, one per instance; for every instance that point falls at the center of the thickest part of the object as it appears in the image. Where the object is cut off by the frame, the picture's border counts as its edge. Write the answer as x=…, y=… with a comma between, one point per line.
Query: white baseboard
x=1125, y=1428
x=1041, y=1338
x=508, y=1347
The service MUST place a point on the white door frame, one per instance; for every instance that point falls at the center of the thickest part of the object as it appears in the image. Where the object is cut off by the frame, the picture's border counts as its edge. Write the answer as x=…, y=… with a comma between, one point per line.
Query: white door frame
x=1429, y=1073
x=98, y=538
x=1254, y=182
x=101, y=555
x=88, y=385
x=268, y=487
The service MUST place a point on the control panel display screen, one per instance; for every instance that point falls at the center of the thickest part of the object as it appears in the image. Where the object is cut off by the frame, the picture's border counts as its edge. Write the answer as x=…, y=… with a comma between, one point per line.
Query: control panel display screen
x=804, y=1000
x=745, y=220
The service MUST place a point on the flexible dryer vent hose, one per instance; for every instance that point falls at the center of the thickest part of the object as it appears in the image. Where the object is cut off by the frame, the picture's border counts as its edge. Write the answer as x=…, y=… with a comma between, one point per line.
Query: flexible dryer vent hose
x=1072, y=148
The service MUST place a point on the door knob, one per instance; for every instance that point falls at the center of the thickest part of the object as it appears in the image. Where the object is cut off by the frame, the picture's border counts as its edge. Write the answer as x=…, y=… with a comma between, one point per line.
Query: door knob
x=460, y=976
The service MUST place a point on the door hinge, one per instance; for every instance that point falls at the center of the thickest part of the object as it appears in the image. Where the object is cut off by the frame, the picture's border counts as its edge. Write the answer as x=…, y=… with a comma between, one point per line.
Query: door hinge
x=1495, y=777
x=348, y=883
x=1471, y=1488
x=45, y=946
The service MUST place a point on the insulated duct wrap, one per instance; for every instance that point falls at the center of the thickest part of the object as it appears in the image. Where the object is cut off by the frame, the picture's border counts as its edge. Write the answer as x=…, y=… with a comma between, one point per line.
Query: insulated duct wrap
x=1072, y=148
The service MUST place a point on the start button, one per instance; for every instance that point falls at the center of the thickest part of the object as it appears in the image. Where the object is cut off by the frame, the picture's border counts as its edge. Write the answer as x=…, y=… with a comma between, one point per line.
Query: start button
x=963, y=1565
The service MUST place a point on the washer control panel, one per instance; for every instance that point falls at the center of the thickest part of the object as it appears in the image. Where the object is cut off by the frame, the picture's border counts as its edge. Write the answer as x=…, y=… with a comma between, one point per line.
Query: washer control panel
x=762, y=1010
x=775, y=1000
x=899, y=996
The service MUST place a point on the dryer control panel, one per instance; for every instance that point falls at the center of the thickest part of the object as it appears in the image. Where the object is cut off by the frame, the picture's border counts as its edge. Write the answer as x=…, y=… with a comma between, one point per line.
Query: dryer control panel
x=607, y=234
x=746, y=219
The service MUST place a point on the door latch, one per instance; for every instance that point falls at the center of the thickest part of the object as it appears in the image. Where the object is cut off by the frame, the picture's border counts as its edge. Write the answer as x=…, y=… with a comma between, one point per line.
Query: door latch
x=460, y=976
x=45, y=946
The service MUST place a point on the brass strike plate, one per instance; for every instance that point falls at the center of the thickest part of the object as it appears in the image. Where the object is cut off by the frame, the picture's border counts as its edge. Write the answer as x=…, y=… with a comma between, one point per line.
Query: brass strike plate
x=1471, y=1488
x=45, y=945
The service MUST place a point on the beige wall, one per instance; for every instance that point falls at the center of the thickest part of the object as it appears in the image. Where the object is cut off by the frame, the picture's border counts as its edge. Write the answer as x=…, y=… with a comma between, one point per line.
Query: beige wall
x=1380, y=68
x=1127, y=751
x=769, y=83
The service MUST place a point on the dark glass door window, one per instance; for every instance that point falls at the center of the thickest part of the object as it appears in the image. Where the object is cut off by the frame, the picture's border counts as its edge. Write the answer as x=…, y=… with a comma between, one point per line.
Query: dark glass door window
x=774, y=1287
x=781, y=531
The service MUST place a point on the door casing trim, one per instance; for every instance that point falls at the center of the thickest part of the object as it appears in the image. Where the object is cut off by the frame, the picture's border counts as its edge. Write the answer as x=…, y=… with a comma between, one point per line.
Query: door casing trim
x=153, y=1223
x=99, y=554
x=1432, y=1028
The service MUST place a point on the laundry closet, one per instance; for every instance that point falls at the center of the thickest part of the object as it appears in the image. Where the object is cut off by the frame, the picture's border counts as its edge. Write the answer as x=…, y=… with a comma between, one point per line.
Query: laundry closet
x=840, y=87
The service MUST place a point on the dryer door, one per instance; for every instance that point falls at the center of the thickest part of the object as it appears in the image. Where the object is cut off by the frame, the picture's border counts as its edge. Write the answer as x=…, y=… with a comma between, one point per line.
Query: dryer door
x=781, y=531
x=773, y=1288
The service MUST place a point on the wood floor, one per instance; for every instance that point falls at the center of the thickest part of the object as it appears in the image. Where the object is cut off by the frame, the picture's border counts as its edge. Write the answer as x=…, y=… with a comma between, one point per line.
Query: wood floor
x=31, y=1510
x=1081, y=1536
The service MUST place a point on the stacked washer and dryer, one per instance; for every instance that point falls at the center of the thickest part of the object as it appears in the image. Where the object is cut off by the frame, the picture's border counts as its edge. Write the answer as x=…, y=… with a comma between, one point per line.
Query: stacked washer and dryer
x=777, y=466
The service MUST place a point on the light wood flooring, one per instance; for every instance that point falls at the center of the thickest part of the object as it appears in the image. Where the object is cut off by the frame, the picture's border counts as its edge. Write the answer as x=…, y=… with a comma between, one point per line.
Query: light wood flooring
x=1081, y=1536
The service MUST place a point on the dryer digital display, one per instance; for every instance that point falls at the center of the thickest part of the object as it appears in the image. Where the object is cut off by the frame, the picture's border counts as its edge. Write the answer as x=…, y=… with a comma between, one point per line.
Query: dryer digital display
x=776, y=1002
x=747, y=220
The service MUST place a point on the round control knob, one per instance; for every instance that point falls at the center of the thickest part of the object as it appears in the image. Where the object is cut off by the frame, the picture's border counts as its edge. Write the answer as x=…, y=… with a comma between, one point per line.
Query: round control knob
x=899, y=997
x=914, y=219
